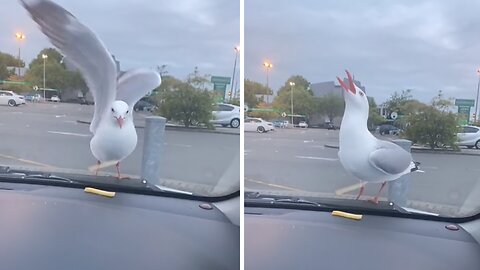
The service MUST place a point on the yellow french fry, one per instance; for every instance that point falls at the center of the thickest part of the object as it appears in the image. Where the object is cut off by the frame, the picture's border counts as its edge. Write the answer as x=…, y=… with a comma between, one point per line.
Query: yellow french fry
x=346, y=215
x=99, y=192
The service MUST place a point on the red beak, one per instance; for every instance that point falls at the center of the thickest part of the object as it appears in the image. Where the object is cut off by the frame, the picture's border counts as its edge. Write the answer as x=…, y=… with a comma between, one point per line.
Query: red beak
x=120, y=121
x=350, y=80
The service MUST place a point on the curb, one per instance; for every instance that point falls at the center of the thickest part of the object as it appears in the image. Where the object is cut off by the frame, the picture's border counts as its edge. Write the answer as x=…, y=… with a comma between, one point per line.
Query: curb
x=179, y=128
x=427, y=151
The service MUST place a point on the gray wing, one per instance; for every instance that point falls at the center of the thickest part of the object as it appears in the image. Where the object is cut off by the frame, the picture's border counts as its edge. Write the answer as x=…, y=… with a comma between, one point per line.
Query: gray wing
x=390, y=158
x=83, y=49
x=135, y=84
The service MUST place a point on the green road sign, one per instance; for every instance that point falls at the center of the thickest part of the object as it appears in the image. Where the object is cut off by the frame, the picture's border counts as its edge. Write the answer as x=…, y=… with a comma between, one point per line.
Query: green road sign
x=13, y=82
x=465, y=110
x=219, y=87
x=220, y=80
x=263, y=110
x=465, y=102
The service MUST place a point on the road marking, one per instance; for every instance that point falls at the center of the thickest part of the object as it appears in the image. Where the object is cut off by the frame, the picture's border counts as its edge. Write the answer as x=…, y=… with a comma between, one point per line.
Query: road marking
x=27, y=161
x=273, y=185
x=70, y=133
x=318, y=146
x=70, y=121
x=308, y=141
x=348, y=189
x=318, y=158
x=58, y=116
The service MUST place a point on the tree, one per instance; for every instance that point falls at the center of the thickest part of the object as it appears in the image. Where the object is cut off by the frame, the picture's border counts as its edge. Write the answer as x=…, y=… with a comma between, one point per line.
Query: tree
x=374, y=118
x=433, y=125
x=303, y=100
x=331, y=105
x=10, y=60
x=187, y=105
x=197, y=80
x=252, y=89
x=4, y=72
x=397, y=101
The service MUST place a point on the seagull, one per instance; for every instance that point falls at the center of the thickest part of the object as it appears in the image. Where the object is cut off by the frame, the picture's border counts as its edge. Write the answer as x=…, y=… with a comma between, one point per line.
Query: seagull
x=115, y=94
x=362, y=154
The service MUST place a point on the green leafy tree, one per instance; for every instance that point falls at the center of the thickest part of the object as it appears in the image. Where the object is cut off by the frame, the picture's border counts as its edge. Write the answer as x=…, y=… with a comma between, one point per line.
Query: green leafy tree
x=4, y=72
x=252, y=89
x=398, y=101
x=433, y=125
x=197, y=80
x=187, y=105
x=303, y=100
x=374, y=118
x=331, y=105
x=10, y=60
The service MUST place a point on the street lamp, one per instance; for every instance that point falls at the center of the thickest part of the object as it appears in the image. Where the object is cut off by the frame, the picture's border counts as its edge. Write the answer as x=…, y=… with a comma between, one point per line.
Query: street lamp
x=267, y=66
x=292, y=84
x=237, y=50
x=20, y=36
x=44, y=56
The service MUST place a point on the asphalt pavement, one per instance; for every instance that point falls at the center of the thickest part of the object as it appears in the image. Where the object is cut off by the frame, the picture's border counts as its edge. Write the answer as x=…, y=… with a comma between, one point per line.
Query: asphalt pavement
x=296, y=161
x=49, y=136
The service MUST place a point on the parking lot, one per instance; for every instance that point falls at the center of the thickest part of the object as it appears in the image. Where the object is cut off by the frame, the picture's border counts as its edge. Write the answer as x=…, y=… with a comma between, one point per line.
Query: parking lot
x=296, y=160
x=48, y=135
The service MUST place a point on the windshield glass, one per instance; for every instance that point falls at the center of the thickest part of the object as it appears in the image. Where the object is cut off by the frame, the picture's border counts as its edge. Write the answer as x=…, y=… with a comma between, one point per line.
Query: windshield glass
x=365, y=95
x=124, y=88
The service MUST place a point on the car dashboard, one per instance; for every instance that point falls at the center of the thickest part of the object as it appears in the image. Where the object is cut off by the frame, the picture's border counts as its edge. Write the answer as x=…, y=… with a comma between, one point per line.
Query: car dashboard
x=51, y=227
x=298, y=239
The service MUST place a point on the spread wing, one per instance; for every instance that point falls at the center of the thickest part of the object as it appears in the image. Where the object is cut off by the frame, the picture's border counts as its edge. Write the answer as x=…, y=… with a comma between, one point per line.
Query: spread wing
x=390, y=158
x=83, y=49
x=135, y=84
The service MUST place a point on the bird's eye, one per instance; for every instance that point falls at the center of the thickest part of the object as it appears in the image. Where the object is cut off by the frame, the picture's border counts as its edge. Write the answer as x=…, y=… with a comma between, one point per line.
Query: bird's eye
x=113, y=110
x=361, y=94
x=127, y=111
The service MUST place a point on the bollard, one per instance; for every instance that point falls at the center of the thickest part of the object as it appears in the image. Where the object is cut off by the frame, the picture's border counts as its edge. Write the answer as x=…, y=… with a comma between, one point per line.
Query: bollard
x=154, y=138
x=397, y=190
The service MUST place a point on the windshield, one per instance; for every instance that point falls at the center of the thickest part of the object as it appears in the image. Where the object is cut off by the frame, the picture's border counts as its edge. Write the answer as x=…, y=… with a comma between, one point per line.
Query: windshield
x=124, y=89
x=373, y=95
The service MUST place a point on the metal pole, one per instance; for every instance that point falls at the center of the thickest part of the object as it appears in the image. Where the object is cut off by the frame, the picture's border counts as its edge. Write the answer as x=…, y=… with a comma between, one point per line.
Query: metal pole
x=291, y=101
x=19, y=61
x=44, y=78
x=233, y=76
x=398, y=189
x=267, y=84
x=476, y=103
x=154, y=138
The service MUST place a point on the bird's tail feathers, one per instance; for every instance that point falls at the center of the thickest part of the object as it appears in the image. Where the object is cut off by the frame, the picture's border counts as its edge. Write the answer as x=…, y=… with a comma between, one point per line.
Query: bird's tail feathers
x=414, y=167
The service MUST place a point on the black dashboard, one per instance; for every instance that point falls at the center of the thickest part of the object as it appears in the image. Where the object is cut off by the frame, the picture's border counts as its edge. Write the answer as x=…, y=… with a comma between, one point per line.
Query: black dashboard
x=299, y=239
x=47, y=227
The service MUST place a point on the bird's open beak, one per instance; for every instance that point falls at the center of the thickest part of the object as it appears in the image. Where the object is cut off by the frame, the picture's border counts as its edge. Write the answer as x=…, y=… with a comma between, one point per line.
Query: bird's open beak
x=120, y=121
x=351, y=86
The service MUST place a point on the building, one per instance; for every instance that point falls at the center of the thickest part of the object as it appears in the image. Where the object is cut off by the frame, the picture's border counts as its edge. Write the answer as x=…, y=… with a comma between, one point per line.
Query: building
x=324, y=88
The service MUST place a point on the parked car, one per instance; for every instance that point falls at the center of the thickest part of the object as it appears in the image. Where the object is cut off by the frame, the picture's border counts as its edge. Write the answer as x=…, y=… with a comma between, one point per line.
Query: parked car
x=226, y=115
x=55, y=99
x=11, y=98
x=33, y=97
x=143, y=105
x=302, y=124
x=84, y=101
x=388, y=129
x=330, y=126
x=257, y=124
x=469, y=136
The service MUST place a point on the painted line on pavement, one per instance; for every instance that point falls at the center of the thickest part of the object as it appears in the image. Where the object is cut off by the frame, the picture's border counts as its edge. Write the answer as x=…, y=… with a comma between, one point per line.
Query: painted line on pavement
x=27, y=161
x=273, y=185
x=178, y=145
x=348, y=189
x=317, y=158
x=69, y=133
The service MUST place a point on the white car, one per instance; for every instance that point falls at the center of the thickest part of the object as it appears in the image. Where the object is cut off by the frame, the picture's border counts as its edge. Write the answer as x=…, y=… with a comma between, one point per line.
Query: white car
x=11, y=98
x=55, y=99
x=303, y=124
x=226, y=115
x=469, y=136
x=257, y=124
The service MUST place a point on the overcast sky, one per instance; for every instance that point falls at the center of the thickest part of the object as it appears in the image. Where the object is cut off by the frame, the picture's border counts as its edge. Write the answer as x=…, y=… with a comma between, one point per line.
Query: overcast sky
x=388, y=45
x=181, y=34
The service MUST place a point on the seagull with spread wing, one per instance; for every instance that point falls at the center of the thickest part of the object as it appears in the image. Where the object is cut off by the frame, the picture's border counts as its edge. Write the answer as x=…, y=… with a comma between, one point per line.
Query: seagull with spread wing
x=362, y=154
x=114, y=134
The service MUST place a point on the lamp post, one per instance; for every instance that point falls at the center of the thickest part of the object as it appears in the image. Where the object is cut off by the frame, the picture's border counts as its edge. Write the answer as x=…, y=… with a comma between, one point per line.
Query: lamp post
x=476, y=102
x=237, y=50
x=292, y=84
x=20, y=36
x=44, y=56
x=267, y=66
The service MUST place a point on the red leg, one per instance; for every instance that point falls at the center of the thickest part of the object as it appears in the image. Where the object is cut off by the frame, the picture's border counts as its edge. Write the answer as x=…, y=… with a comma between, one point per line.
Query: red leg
x=98, y=164
x=375, y=199
x=362, y=188
x=118, y=170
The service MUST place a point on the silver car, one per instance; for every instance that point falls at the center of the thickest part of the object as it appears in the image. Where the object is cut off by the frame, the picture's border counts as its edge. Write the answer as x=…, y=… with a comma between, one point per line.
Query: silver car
x=11, y=98
x=226, y=115
x=469, y=136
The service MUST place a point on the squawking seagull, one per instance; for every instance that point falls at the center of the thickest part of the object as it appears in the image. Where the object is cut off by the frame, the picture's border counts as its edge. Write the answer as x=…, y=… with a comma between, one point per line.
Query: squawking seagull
x=114, y=134
x=363, y=155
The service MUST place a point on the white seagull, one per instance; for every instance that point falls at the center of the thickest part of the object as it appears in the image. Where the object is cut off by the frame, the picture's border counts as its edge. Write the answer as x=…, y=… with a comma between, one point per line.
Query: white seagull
x=362, y=154
x=114, y=134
